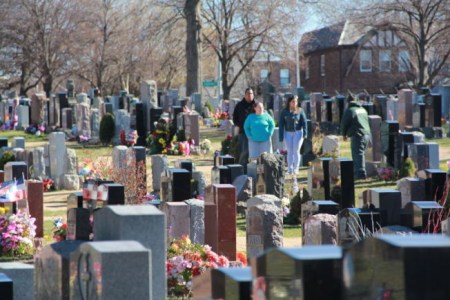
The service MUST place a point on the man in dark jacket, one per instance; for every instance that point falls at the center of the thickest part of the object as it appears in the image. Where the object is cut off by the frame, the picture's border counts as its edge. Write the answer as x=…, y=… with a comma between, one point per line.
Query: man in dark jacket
x=241, y=111
x=355, y=124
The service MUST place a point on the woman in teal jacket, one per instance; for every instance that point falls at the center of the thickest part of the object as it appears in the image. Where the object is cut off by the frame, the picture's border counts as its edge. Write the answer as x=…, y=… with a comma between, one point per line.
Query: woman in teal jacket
x=259, y=127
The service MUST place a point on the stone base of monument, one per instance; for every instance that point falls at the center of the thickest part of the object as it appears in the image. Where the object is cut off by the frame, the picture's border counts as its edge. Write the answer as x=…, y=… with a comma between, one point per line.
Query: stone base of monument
x=433, y=132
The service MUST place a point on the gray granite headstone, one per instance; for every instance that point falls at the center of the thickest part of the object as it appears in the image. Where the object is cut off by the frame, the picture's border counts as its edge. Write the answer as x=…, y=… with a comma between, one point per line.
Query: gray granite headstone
x=112, y=270
x=373, y=152
x=18, y=142
x=200, y=179
x=120, y=158
x=264, y=224
x=159, y=163
x=22, y=276
x=320, y=229
x=143, y=223
x=330, y=145
x=178, y=219
x=83, y=119
x=122, y=122
x=244, y=190
x=197, y=219
x=424, y=155
x=57, y=153
x=23, y=115
x=274, y=170
x=38, y=163
x=52, y=270
x=95, y=124
x=276, y=144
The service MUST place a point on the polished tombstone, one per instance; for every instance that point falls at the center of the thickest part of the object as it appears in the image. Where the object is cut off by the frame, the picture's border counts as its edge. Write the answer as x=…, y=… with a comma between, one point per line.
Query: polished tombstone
x=223, y=160
x=78, y=224
x=6, y=287
x=369, y=107
x=412, y=189
x=424, y=215
x=314, y=207
x=316, y=107
x=220, y=175
x=142, y=223
x=220, y=219
x=155, y=115
x=114, y=194
x=15, y=170
x=373, y=152
x=389, y=133
x=235, y=170
x=52, y=270
x=22, y=276
x=328, y=110
x=107, y=270
x=185, y=164
x=197, y=220
x=433, y=108
x=318, y=179
x=405, y=107
x=192, y=126
x=231, y=283
x=3, y=142
x=179, y=186
x=389, y=202
x=341, y=182
x=355, y=224
x=424, y=155
x=310, y=272
x=338, y=108
x=435, y=183
x=398, y=267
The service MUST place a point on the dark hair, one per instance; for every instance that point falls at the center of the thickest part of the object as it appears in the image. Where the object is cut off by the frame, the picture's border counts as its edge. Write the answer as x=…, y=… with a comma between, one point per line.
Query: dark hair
x=350, y=98
x=248, y=89
x=256, y=104
x=289, y=99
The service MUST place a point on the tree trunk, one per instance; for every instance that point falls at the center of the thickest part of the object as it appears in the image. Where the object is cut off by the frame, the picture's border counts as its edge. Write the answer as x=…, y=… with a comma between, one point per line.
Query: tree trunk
x=193, y=46
x=48, y=83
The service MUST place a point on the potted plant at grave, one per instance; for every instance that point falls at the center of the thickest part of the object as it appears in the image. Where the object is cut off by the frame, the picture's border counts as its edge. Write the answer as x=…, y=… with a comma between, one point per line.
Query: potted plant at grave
x=17, y=232
x=59, y=230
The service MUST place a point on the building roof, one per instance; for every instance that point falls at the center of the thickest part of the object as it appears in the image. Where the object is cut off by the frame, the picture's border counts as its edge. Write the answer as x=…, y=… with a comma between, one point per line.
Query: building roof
x=341, y=34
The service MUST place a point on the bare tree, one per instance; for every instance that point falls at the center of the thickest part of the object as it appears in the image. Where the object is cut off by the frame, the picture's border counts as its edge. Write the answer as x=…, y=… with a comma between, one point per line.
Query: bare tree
x=426, y=25
x=238, y=30
x=193, y=46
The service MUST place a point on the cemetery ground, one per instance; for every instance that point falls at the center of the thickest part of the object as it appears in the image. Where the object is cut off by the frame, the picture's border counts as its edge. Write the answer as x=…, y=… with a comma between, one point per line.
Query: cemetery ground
x=55, y=202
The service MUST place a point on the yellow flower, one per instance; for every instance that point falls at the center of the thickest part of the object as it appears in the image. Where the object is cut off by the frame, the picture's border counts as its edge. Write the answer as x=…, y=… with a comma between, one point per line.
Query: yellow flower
x=2, y=210
x=164, y=151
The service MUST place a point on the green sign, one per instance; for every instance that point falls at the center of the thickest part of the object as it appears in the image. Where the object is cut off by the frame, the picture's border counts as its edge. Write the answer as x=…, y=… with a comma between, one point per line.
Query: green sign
x=210, y=83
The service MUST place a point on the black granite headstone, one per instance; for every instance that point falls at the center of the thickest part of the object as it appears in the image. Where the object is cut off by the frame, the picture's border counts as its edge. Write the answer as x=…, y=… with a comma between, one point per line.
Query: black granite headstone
x=6, y=287
x=236, y=170
x=78, y=224
x=342, y=182
x=223, y=160
x=115, y=194
x=380, y=106
x=389, y=134
x=329, y=110
x=354, y=224
x=319, y=207
x=388, y=201
x=369, y=107
x=391, y=266
x=187, y=165
x=231, y=283
x=424, y=216
x=180, y=186
x=433, y=108
x=319, y=184
x=310, y=272
x=141, y=125
x=3, y=142
x=435, y=183
x=155, y=115
x=220, y=174
x=338, y=110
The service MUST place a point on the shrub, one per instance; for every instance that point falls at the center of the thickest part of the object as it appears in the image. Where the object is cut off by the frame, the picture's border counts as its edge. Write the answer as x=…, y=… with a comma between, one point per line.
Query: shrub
x=407, y=169
x=226, y=145
x=6, y=157
x=295, y=210
x=107, y=129
x=210, y=107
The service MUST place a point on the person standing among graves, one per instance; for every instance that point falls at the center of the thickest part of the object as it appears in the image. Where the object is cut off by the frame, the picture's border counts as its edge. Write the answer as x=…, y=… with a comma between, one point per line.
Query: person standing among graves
x=293, y=129
x=355, y=124
x=259, y=127
x=240, y=114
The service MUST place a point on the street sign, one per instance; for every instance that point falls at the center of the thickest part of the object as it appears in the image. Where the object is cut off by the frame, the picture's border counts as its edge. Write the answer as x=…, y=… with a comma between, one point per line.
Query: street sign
x=210, y=83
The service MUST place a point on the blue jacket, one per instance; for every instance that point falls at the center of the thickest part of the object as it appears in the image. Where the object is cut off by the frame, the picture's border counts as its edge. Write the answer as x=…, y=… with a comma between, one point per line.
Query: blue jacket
x=259, y=128
x=290, y=121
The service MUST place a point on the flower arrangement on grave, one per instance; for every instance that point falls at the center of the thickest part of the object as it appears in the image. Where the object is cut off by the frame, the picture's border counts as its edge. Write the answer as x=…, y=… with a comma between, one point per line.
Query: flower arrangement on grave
x=36, y=129
x=226, y=145
x=160, y=138
x=186, y=260
x=59, y=230
x=218, y=117
x=4, y=210
x=83, y=139
x=17, y=232
x=128, y=138
x=205, y=146
x=386, y=173
x=48, y=184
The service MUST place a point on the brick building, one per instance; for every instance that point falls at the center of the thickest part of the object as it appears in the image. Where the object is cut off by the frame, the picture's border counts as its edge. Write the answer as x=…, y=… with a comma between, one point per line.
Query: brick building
x=356, y=57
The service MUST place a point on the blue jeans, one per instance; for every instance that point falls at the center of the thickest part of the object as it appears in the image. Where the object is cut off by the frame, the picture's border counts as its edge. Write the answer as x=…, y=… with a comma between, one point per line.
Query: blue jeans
x=359, y=146
x=293, y=141
x=257, y=148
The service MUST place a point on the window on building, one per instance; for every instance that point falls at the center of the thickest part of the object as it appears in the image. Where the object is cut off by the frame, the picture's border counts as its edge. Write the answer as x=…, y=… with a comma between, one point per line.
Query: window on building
x=322, y=65
x=403, y=61
x=307, y=69
x=365, y=61
x=263, y=74
x=385, y=60
x=284, y=77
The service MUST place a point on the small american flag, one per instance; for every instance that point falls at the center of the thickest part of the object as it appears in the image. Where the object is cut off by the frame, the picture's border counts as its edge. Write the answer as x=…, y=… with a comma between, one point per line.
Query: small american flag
x=12, y=190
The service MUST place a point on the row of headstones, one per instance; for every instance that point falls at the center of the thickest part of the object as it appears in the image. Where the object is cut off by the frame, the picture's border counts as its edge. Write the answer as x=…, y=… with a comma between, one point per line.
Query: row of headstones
x=369, y=270
x=53, y=160
x=414, y=207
